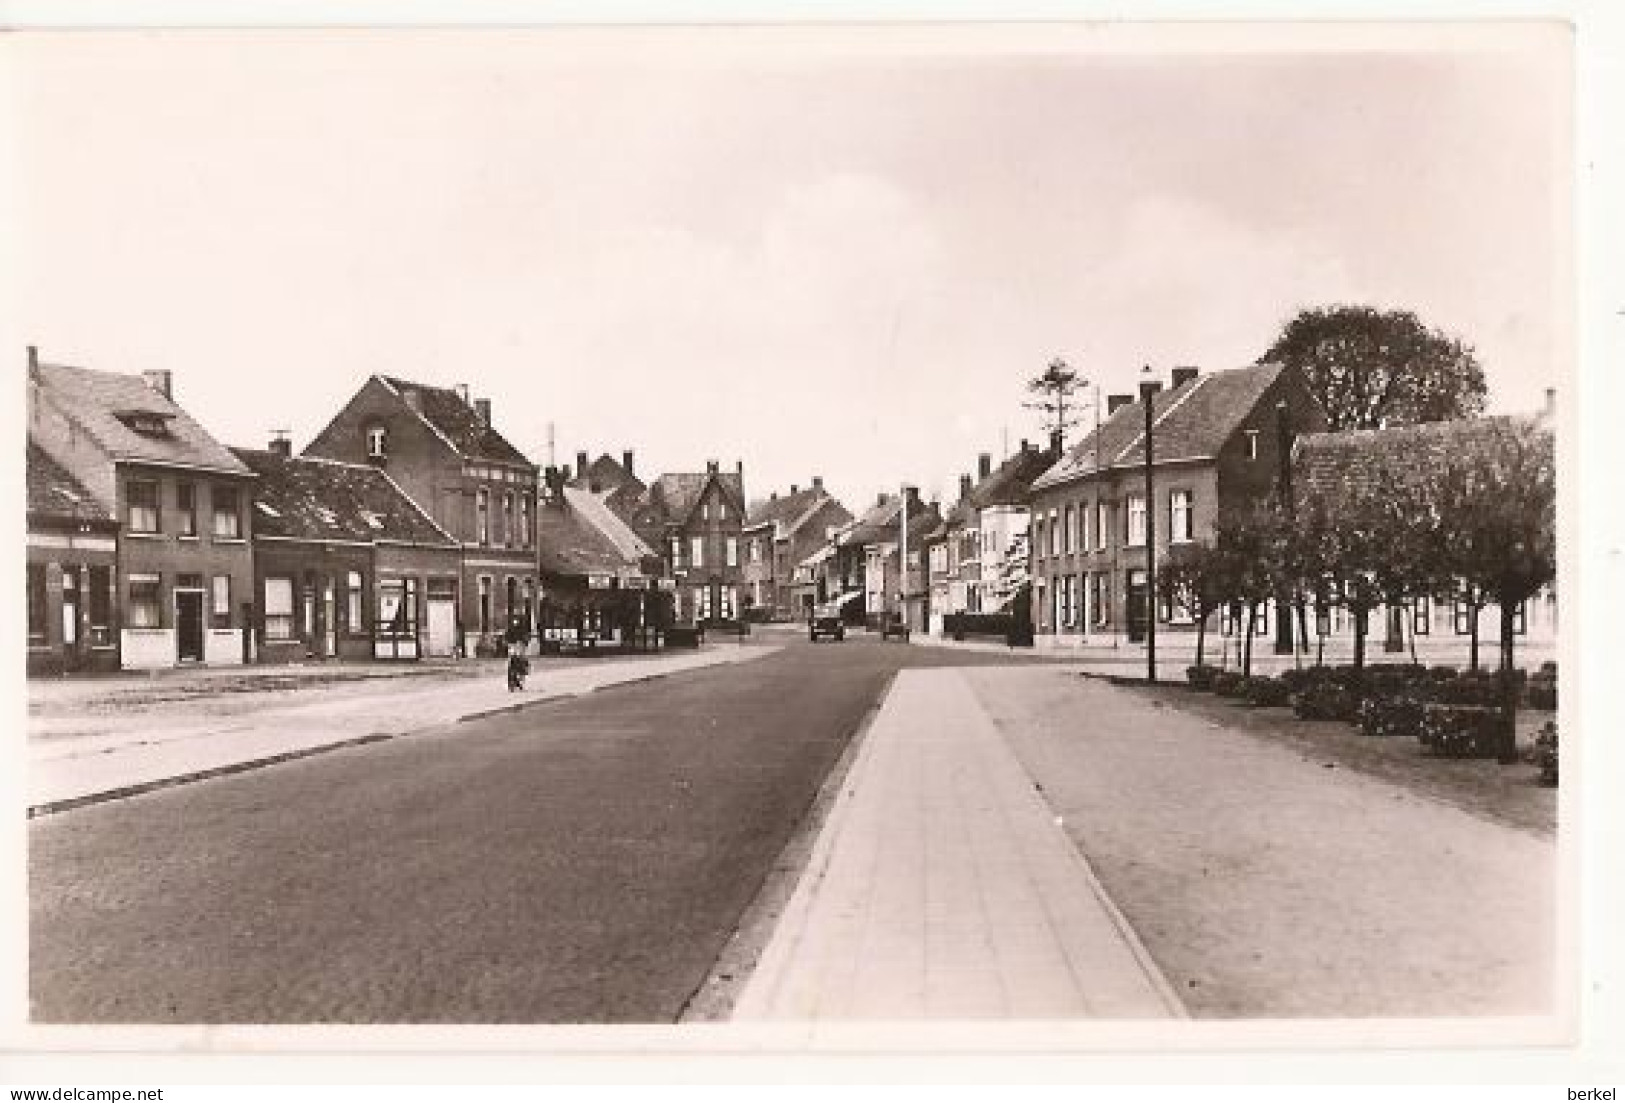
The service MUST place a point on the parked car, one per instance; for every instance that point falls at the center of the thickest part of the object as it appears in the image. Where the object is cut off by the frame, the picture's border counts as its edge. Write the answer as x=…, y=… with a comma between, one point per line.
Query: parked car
x=893, y=624
x=826, y=621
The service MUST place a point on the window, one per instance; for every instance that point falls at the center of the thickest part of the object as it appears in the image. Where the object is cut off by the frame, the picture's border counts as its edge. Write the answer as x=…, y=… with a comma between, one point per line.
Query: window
x=101, y=606
x=220, y=605
x=1252, y=444
x=1099, y=591
x=1066, y=602
x=38, y=613
x=146, y=611
x=1520, y=619
x=186, y=506
x=1261, y=619
x=1054, y=533
x=142, y=504
x=756, y=551
x=1179, y=516
x=376, y=442
x=507, y=519
x=727, y=607
x=511, y=597
x=1422, y=616
x=696, y=552
x=482, y=516
x=1067, y=533
x=705, y=512
x=352, y=601
x=1038, y=537
x=676, y=550
x=1103, y=515
x=530, y=603
x=732, y=547
x=485, y=603
x=1136, y=520
x=702, y=603
x=1462, y=617
x=524, y=520
x=228, y=522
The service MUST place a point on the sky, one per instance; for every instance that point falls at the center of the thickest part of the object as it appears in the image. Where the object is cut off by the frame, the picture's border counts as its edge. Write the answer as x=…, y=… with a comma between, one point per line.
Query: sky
x=832, y=252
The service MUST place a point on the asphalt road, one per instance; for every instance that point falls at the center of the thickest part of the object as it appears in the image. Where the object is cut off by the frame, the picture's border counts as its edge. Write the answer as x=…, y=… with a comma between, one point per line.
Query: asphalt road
x=582, y=861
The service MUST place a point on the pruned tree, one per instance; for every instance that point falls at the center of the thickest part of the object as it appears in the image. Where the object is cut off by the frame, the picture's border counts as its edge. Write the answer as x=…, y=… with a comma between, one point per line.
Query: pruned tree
x=1193, y=577
x=1248, y=549
x=1054, y=389
x=1376, y=368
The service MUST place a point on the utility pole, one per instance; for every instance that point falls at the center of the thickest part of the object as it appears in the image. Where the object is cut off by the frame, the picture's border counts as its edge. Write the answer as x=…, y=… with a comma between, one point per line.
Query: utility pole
x=902, y=556
x=1148, y=391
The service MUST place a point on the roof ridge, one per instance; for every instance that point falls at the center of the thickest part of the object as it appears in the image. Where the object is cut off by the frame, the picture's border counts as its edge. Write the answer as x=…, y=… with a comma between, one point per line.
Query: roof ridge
x=391, y=381
x=1196, y=385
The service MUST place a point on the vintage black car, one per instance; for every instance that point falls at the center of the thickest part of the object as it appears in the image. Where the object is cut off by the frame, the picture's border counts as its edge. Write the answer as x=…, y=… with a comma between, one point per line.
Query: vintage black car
x=825, y=620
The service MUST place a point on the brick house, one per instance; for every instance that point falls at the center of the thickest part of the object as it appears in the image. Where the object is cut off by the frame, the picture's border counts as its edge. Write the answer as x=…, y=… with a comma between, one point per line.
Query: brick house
x=614, y=481
x=868, y=562
x=445, y=453
x=72, y=553
x=696, y=520
x=343, y=560
x=779, y=534
x=185, y=562
x=980, y=557
x=1217, y=447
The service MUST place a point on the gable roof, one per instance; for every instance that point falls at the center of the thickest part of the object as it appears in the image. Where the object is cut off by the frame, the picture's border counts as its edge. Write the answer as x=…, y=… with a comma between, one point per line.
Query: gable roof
x=880, y=524
x=789, y=512
x=1363, y=456
x=444, y=411
x=104, y=404
x=302, y=498
x=1191, y=421
x=571, y=541
x=674, y=496
x=52, y=491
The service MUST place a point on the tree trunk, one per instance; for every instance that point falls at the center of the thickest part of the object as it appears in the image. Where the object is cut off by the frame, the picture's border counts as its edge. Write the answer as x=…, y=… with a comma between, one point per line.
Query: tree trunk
x=1303, y=634
x=1247, y=655
x=1472, y=621
x=1359, y=638
x=1412, y=638
x=1509, y=691
x=1201, y=637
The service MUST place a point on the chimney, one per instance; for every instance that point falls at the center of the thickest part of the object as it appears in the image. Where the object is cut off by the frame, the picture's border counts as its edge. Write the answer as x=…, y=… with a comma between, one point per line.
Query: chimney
x=1550, y=409
x=912, y=493
x=281, y=443
x=462, y=392
x=710, y=467
x=1115, y=402
x=984, y=465
x=1024, y=444
x=162, y=381
x=773, y=497
x=880, y=499
x=1181, y=376
x=794, y=489
x=964, y=487
x=818, y=482
x=482, y=410
x=564, y=474
x=626, y=461
x=581, y=463
x=33, y=358
x=739, y=466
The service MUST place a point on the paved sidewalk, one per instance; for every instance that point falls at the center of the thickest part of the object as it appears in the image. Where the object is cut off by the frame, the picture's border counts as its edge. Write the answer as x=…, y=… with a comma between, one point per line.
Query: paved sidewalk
x=131, y=753
x=942, y=886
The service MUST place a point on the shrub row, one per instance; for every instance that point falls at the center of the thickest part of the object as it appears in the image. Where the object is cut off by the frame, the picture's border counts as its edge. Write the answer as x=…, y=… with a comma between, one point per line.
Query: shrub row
x=960, y=625
x=1461, y=731
x=1546, y=753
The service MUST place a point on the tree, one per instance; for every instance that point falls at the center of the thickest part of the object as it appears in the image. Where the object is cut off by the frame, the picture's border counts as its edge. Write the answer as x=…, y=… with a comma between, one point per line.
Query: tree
x=1500, y=528
x=1055, y=388
x=1193, y=577
x=1372, y=368
x=1248, y=565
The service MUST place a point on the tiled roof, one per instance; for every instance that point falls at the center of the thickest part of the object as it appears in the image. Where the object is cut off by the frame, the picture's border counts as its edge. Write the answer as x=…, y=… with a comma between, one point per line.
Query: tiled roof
x=104, y=403
x=301, y=498
x=673, y=496
x=1362, y=456
x=53, y=490
x=1190, y=421
x=597, y=510
x=455, y=420
x=1012, y=481
x=570, y=541
x=881, y=524
x=613, y=482
x=791, y=511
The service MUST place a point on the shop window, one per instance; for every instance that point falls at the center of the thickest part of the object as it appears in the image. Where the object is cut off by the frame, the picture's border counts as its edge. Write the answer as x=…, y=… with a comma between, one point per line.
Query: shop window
x=186, y=507
x=101, y=606
x=353, y=591
x=141, y=500
x=228, y=522
x=146, y=610
x=38, y=611
x=220, y=606
x=279, y=608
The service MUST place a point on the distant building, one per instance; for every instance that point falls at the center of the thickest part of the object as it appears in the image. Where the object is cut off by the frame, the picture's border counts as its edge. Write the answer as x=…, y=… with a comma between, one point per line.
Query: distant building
x=1216, y=448
x=696, y=520
x=601, y=582
x=344, y=561
x=779, y=534
x=981, y=557
x=184, y=585
x=72, y=554
x=444, y=451
x=869, y=553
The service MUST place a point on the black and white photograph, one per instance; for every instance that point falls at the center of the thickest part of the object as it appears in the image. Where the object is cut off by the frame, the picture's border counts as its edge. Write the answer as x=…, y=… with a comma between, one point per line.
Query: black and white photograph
x=784, y=537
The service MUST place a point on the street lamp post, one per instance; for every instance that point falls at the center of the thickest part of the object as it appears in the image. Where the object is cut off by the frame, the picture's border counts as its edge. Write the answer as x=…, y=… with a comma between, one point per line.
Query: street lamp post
x=1148, y=391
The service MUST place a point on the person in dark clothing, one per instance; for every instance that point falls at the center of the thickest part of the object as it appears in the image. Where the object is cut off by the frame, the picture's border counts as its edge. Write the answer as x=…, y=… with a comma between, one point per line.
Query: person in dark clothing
x=518, y=639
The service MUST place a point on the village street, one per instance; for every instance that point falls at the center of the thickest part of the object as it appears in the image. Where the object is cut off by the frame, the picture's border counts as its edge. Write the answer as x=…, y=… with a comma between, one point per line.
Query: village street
x=603, y=857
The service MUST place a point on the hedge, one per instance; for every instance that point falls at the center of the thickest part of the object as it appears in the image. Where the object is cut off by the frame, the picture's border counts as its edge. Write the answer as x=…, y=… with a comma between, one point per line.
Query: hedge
x=1461, y=731
x=1201, y=677
x=1546, y=753
x=1229, y=683
x=1391, y=716
x=1267, y=692
x=960, y=625
x=1325, y=699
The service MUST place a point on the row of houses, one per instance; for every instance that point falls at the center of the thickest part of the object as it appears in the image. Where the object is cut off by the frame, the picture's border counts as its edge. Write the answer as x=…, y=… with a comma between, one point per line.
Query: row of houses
x=1070, y=527
x=408, y=527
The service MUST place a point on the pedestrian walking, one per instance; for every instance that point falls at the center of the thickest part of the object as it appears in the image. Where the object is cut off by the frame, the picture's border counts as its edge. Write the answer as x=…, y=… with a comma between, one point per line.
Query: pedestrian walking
x=518, y=662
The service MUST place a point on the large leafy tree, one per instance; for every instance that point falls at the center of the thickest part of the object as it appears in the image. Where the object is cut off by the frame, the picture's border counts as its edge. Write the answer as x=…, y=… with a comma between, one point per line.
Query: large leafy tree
x=1375, y=368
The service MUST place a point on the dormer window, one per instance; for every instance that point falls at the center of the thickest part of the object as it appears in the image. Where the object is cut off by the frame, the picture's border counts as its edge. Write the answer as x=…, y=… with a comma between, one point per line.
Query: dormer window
x=376, y=441
x=149, y=423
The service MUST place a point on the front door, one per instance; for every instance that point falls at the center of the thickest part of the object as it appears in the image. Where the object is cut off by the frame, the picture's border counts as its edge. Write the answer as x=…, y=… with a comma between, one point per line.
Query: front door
x=189, y=625
x=329, y=620
x=1138, y=605
x=72, y=649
